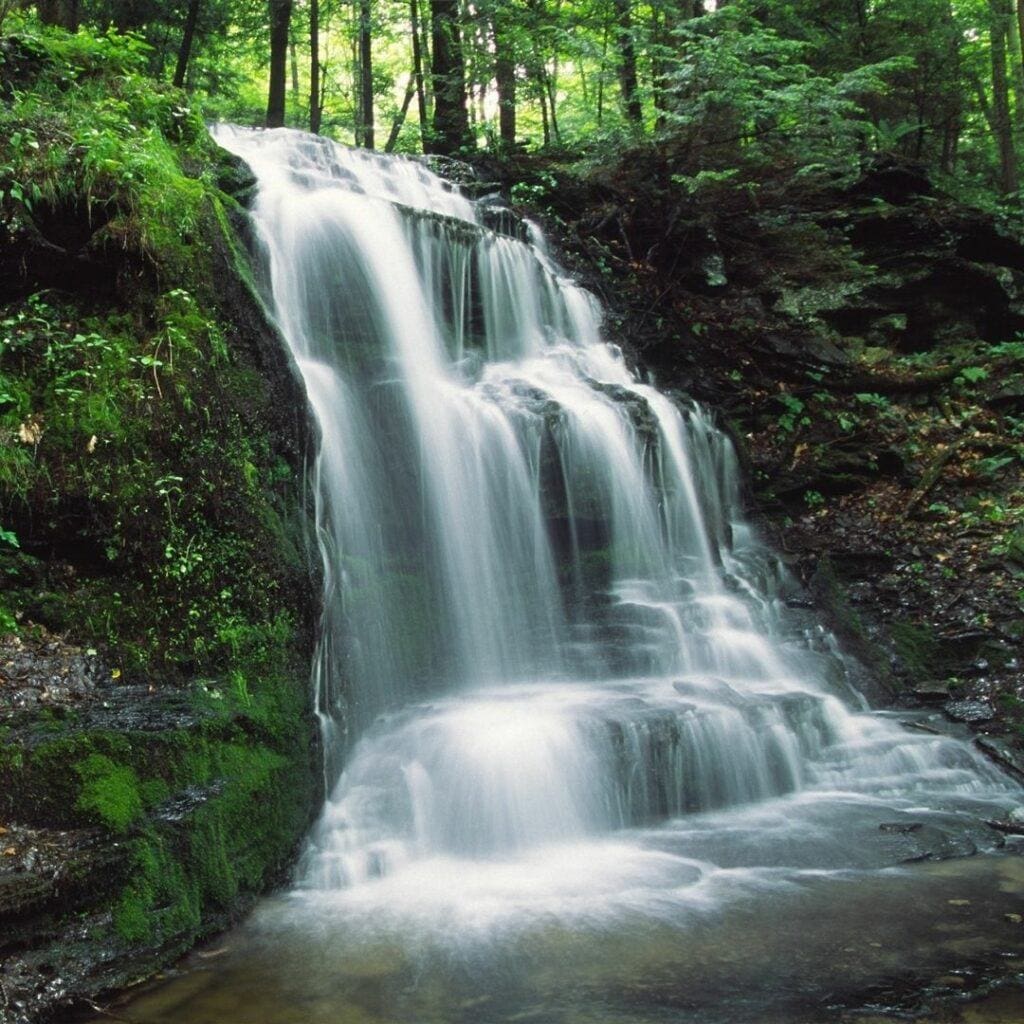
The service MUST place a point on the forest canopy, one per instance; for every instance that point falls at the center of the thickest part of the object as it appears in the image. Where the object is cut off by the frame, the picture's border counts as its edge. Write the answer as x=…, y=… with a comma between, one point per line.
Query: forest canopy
x=721, y=88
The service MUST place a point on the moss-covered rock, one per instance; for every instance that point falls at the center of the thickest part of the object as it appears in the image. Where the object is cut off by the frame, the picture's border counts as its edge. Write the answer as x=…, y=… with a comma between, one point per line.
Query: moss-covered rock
x=158, y=758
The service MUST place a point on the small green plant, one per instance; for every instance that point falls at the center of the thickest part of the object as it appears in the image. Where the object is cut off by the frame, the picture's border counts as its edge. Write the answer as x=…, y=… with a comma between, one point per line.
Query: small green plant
x=992, y=464
x=794, y=414
x=971, y=375
x=872, y=399
x=814, y=499
x=534, y=192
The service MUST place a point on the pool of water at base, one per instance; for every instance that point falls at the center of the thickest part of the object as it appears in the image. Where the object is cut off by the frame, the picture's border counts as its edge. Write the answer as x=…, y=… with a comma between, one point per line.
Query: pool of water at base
x=930, y=941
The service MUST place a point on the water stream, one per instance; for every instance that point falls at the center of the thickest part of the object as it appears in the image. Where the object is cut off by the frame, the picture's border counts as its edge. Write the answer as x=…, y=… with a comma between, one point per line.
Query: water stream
x=572, y=721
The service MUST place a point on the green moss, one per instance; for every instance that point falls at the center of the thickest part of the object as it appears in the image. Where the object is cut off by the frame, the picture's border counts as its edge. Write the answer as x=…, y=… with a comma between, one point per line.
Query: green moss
x=110, y=791
x=159, y=903
x=917, y=647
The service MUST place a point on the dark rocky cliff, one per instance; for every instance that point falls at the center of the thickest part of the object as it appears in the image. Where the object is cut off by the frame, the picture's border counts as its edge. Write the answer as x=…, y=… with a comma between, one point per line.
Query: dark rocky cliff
x=863, y=343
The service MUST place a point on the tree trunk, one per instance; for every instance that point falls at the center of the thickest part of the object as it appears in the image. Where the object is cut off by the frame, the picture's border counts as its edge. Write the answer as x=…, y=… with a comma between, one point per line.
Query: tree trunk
x=505, y=79
x=952, y=123
x=1002, y=124
x=293, y=61
x=315, y=102
x=366, y=75
x=602, y=68
x=628, y=82
x=549, y=82
x=62, y=13
x=545, y=124
x=417, y=71
x=1016, y=71
x=410, y=91
x=129, y=15
x=280, y=21
x=661, y=28
x=185, y=50
x=1020, y=21
x=450, y=133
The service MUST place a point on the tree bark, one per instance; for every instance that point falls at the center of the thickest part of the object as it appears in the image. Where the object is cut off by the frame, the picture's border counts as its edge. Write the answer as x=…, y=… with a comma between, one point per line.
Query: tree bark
x=450, y=133
x=505, y=79
x=396, y=127
x=628, y=82
x=366, y=75
x=187, y=36
x=316, y=109
x=62, y=13
x=128, y=15
x=417, y=71
x=1002, y=124
x=293, y=63
x=1016, y=70
x=661, y=29
x=1020, y=21
x=280, y=21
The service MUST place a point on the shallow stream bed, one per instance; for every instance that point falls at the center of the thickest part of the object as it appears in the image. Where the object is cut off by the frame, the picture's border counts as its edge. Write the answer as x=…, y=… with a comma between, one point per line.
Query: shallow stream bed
x=926, y=939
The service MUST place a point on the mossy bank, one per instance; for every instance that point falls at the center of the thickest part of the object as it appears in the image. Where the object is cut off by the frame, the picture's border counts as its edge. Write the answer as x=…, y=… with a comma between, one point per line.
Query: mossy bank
x=157, y=750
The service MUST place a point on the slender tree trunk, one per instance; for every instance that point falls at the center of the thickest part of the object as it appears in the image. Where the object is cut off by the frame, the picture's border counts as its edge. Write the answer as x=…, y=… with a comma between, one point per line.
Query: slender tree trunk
x=396, y=127
x=662, y=24
x=545, y=123
x=280, y=21
x=549, y=82
x=1016, y=71
x=451, y=118
x=505, y=79
x=1020, y=21
x=293, y=61
x=417, y=71
x=315, y=102
x=366, y=74
x=128, y=15
x=628, y=82
x=1002, y=123
x=953, y=122
x=187, y=36
x=62, y=13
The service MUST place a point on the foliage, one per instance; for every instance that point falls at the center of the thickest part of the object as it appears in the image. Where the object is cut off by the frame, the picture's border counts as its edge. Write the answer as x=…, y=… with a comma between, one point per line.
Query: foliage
x=739, y=91
x=811, y=86
x=116, y=408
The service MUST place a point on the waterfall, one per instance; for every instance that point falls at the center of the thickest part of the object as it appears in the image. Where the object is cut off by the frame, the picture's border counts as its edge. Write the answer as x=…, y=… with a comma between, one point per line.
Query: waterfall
x=558, y=672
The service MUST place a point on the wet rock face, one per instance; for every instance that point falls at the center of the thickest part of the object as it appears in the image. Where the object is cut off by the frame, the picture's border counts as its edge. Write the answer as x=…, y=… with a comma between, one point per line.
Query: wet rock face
x=46, y=673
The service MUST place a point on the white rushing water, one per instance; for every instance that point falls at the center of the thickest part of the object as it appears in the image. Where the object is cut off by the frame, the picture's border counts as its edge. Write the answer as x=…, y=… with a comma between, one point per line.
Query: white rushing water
x=557, y=663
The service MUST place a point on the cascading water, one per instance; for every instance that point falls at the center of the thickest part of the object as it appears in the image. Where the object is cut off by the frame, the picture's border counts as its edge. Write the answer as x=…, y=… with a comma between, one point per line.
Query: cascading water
x=572, y=689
